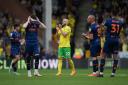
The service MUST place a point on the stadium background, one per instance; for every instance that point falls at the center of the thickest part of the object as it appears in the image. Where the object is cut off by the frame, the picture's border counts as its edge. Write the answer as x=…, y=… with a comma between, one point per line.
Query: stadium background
x=51, y=12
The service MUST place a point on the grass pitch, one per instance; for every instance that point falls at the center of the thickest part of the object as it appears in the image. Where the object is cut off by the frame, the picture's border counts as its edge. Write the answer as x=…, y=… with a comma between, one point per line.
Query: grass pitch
x=49, y=78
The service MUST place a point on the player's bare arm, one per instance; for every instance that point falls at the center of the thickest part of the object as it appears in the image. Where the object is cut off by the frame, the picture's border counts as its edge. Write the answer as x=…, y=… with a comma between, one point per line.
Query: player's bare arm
x=87, y=35
x=26, y=23
x=22, y=41
x=59, y=28
x=42, y=25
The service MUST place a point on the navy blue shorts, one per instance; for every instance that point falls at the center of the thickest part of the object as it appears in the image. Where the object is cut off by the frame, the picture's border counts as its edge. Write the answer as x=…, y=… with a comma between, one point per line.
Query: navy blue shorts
x=32, y=49
x=15, y=51
x=111, y=46
x=95, y=48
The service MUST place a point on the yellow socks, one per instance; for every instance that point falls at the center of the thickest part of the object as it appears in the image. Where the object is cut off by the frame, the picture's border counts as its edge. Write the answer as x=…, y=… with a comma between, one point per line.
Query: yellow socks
x=60, y=61
x=71, y=65
x=73, y=72
x=60, y=66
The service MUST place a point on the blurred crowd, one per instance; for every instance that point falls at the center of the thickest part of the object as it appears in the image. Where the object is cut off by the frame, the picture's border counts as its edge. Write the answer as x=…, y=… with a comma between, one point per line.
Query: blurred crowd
x=64, y=9
x=34, y=6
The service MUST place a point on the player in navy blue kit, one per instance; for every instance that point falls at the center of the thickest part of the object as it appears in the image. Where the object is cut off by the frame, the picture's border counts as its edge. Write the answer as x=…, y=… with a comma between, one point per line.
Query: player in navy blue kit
x=111, y=46
x=32, y=49
x=15, y=48
x=95, y=46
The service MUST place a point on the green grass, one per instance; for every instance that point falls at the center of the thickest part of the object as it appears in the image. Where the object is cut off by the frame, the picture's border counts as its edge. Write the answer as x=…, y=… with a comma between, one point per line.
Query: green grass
x=49, y=78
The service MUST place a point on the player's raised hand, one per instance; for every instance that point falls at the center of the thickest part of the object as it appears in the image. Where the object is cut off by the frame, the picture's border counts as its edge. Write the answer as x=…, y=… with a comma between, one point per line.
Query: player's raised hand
x=37, y=19
x=83, y=35
x=57, y=28
x=59, y=25
x=29, y=18
x=42, y=24
x=26, y=23
x=87, y=35
x=22, y=41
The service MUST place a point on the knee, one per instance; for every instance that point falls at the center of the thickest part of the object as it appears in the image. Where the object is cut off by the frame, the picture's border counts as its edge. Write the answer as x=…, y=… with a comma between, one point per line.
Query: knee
x=115, y=57
x=60, y=58
x=94, y=58
x=36, y=58
x=17, y=57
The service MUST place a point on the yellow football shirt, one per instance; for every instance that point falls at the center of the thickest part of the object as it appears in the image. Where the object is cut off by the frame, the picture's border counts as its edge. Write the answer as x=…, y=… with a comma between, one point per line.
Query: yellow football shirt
x=64, y=41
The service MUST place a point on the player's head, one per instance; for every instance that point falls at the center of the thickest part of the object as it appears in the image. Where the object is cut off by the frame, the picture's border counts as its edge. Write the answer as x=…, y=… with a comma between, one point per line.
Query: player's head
x=65, y=21
x=91, y=19
x=114, y=13
x=17, y=27
x=33, y=17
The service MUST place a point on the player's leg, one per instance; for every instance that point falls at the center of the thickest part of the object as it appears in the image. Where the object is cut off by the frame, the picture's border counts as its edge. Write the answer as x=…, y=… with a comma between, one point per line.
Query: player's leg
x=104, y=51
x=28, y=62
x=102, y=56
x=12, y=57
x=102, y=64
x=115, y=64
x=28, y=59
x=36, y=70
x=95, y=66
x=60, y=61
x=36, y=57
x=107, y=49
x=115, y=58
x=15, y=55
x=73, y=70
x=67, y=55
x=94, y=52
x=14, y=62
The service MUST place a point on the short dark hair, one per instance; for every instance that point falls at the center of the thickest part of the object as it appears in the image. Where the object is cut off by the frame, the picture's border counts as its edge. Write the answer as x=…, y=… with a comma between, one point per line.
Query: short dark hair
x=114, y=12
x=16, y=25
x=33, y=16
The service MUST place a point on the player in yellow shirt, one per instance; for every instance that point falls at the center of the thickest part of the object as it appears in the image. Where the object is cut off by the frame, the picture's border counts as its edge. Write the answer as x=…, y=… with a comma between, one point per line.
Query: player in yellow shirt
x=64, y=50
